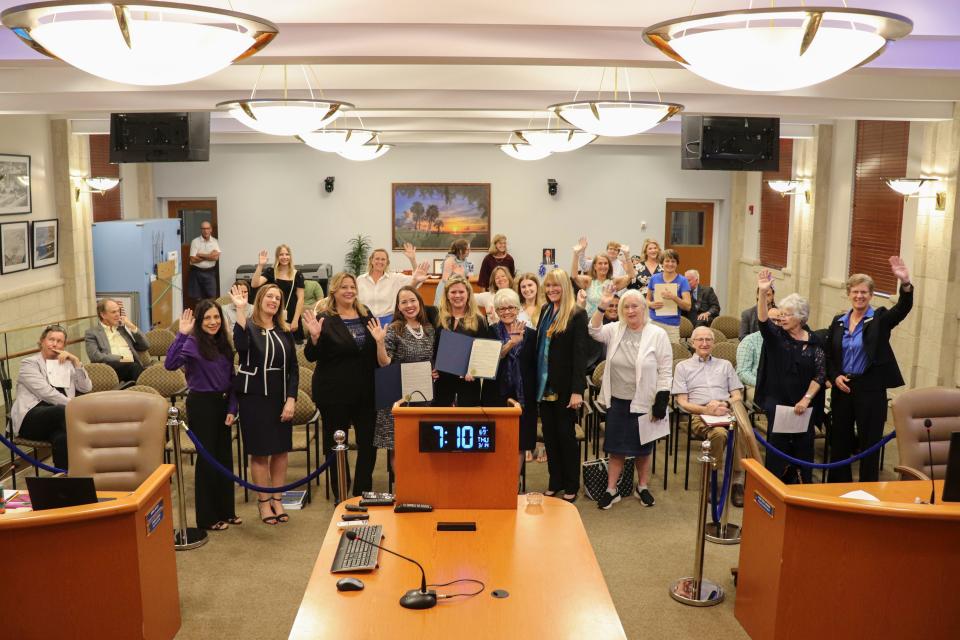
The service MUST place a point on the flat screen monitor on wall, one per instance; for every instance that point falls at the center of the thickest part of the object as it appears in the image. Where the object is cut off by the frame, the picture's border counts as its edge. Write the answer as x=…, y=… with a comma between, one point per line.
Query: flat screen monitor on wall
x=160, y=137
x=730, y=143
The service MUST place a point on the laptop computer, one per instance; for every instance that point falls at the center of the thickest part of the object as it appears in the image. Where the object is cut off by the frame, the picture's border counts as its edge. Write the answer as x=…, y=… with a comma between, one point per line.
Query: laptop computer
x=53, y=493
x=951, y=480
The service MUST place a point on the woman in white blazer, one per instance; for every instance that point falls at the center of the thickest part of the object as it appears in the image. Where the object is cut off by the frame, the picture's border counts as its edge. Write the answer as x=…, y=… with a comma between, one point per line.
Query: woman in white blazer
x=636, y=386
x=47, y=382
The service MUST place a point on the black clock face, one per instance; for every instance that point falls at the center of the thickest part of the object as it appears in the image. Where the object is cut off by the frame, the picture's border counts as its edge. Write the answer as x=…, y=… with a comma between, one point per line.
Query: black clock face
x=457, y=437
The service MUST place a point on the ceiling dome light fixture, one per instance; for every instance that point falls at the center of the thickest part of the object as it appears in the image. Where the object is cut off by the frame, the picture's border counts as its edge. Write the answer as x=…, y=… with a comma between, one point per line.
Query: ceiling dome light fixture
x=143, y=42
x=615, y=117
x=777, y=49
x=285, y=116
x=555, y=140
x=336, y=140
x=364, y=152
x=523, y=151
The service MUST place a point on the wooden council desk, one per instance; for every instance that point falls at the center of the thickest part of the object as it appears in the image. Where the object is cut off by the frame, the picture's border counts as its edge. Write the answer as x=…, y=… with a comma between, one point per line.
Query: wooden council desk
x=104, y=570
x=814, y=565
x=540, y=554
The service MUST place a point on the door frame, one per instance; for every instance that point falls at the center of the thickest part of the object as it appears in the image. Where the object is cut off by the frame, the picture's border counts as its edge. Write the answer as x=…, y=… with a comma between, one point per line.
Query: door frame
x=173, y=206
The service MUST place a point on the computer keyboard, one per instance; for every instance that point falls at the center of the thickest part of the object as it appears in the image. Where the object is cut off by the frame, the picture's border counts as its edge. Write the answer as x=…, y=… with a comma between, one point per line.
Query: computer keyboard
x=354, y=555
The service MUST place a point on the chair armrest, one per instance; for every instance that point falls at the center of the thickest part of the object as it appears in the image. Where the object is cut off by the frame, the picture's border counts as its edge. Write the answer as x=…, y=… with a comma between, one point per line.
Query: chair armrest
x=910, y=473
x=126, y=385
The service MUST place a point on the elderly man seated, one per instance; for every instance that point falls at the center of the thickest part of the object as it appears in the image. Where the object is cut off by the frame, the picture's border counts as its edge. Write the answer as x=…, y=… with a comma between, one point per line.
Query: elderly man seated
x=704, y=385
x=115, y=341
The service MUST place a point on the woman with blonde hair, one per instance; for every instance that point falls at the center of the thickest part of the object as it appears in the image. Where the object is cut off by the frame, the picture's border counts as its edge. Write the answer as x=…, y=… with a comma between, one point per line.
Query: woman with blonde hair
x=454, y=264
x=600, y=274
x=561, y=379
x=267, y=381
x=285, y=275
x=649, y=265
x=378, y=288
x=340, y=342
x=458, y=312
x=531, y=297
x=497, y=256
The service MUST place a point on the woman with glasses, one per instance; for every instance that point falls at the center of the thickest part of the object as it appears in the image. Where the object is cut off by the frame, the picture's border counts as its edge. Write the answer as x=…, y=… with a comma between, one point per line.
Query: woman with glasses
x=48, y=380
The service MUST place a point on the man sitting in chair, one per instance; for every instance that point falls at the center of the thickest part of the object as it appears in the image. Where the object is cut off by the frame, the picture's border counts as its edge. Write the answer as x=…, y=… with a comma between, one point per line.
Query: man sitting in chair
x=115, y=341
x=704, y=385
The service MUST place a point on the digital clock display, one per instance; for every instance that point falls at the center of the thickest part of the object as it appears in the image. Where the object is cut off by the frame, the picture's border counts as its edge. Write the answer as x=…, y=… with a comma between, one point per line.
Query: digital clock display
x=457, y=437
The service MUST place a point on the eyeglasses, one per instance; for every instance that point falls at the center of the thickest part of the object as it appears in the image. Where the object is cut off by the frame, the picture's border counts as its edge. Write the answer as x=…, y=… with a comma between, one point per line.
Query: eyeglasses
x=502, y=310
x=702, y=339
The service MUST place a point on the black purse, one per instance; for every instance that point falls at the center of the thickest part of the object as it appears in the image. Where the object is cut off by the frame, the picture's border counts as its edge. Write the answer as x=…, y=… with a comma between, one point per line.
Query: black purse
x=595, y=478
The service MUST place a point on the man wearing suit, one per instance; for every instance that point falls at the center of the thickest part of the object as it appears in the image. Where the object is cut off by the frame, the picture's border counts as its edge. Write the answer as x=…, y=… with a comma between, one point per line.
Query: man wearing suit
x=704, y=305
x=862, y=366
x=115, y=341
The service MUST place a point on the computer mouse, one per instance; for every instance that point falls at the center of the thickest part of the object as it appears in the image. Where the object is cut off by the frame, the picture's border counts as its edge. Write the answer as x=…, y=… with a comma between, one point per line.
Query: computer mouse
x=349, y=584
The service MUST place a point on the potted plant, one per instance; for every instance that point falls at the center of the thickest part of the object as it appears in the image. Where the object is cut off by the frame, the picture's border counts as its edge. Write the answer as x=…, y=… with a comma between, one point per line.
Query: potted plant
x=355, y=260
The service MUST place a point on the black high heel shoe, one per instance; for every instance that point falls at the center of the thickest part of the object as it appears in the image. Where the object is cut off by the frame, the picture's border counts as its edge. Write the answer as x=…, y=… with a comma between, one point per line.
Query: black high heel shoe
x=271, y=520
x=281, y=517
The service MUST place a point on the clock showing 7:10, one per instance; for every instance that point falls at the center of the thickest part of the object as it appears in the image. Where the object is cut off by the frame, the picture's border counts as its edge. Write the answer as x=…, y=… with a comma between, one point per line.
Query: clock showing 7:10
x=457, y=437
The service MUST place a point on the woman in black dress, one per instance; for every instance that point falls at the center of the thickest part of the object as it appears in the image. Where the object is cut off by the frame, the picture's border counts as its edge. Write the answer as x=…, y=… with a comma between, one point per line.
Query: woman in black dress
x=458, y=312
x=339, y=341
x=266, y=385
x=285, y=275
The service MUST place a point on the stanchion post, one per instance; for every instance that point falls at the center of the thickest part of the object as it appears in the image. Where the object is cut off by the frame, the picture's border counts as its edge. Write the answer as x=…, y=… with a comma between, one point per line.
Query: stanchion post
x=695, y=590
x=184, y=537
x=340, y=437
x=724, y=532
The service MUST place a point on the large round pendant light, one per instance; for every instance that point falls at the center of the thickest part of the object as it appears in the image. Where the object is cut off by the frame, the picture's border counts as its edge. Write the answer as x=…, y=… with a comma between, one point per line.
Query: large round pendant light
x=615, y=117
x=555, y=140
x=285, y=116
x=364, y=152
x=142, y=43
x=777, y=49
x=523, y=151
x=336, y=140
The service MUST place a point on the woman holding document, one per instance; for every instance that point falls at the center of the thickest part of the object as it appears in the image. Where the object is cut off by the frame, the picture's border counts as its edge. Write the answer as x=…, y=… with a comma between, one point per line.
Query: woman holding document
x=458, y=313
x=636, y=387
x=668, y=295
x=406, y=340
x=791, y=376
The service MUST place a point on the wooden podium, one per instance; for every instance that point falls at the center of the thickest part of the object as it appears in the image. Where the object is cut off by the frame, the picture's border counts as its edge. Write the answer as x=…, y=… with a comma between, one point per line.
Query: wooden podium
x=815, y=565
x=457, y=480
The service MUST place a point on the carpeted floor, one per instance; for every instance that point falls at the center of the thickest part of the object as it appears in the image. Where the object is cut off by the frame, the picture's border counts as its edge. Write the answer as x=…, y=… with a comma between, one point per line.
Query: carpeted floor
x=247, y=582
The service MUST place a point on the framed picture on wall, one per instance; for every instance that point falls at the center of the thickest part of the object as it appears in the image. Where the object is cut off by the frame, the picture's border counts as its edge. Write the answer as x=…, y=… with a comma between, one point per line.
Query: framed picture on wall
x=45, y=240
x=14, y=247
x=14, y=185
x=432, y=215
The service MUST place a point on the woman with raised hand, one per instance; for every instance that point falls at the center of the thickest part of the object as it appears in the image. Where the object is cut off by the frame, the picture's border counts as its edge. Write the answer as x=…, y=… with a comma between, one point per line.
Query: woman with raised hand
x=266, y=384
x=285, y=275
x=600, y=274
x=497, y=256
x=39, y=412
x=500, y=278
x=636, y=386
x=669, y=322
x=458, y=312
x=531, y=297
x=561, y=379
x=793, y=373
x=455, y=264
x=339, y=341
x=377, y=288
x=649, y=265
x=409, y=338
x=204, y=351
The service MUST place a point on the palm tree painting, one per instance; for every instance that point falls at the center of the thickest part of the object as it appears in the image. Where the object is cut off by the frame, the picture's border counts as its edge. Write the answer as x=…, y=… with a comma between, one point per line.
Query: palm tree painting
x=433, y=215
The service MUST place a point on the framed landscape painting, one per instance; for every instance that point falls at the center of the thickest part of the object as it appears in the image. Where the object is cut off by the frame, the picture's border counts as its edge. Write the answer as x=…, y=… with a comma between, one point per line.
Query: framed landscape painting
x=45, y=241
x=14, y=185
x=431, y=215
x=14, y=247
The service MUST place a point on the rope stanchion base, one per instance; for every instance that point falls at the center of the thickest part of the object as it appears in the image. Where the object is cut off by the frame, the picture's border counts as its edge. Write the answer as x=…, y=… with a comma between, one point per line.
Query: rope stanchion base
x=191, y=539
x=722, y=534
x=685, y=591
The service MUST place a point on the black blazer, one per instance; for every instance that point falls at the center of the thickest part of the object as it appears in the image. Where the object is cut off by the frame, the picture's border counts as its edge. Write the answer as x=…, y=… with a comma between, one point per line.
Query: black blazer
x=250, y=342
x=706, y=301
x=567, y=360
x=344, y=373
x=882, y=370
x=492, y=395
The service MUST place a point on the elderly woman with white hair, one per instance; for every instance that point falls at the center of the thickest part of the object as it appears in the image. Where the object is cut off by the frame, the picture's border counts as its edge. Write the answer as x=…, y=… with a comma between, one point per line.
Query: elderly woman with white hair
x=636, y=386
x=792, y=372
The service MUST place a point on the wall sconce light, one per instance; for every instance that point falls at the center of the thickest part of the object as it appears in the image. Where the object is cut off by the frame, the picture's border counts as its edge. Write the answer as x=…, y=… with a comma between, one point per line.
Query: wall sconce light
x=791, y=188
x=910, y=188
x=93, y=185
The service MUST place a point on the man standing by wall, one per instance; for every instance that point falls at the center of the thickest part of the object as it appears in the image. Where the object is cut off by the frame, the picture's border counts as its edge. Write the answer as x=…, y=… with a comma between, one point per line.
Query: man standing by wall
x=204, y=254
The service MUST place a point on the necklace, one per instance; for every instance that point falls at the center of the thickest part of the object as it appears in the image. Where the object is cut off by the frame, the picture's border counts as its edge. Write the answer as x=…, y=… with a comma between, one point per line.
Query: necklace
x=416, y=333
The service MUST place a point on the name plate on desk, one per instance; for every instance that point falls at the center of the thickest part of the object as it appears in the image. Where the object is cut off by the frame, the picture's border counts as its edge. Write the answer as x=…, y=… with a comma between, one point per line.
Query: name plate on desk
x=154, y=517
x=457, y=437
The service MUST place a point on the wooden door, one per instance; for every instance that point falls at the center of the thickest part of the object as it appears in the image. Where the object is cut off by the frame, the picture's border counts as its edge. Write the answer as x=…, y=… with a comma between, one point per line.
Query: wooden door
x=689, y=232
x=192, y=213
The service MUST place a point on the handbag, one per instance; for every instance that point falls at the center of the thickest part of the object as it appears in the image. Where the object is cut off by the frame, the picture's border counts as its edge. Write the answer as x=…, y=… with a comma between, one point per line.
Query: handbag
x=595, y=478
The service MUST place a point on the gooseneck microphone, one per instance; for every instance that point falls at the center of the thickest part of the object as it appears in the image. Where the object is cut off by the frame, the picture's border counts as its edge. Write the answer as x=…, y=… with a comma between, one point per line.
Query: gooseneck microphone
x=413, y=599
x=927, y=423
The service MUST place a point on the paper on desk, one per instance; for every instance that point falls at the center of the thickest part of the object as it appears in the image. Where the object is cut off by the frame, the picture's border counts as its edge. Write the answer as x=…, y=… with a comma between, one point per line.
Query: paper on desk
x=651, y=430
x=860, y=495
x=58, y=373
x=417, y=378
x=786, y=421
x=669, y=307
x=484, y=358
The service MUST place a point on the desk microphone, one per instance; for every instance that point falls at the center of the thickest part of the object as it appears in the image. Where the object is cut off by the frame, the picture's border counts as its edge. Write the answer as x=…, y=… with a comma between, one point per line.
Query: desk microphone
x=927, y=423
x=415, y=598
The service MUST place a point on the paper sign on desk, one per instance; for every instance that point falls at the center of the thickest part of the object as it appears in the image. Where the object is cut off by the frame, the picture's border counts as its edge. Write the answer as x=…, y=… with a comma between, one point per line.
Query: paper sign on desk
x=669, y=307
x=651, y=430
x=860, y=495
x=58, y=373
x=786, y=421
x=459, y=354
